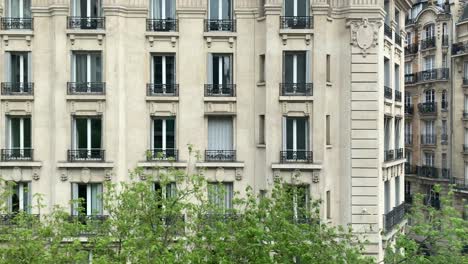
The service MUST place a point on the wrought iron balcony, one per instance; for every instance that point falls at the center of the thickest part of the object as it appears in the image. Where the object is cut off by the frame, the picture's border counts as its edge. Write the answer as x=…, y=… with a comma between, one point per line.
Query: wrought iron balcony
x=220, y=90
x=296, y=22
x=410, y=169
x=408, y=139
x=394, y=217
x=399, y=153
x=86, y=88
x=409, y=109
x=86, y=22
x=428, y=172
x=389, y=155
x=428, y=43
x=91, y=224
x=164, y=25
x=11, y=23
x=388, y=30
x=162, y=89
x=460, y=183
x=428, y=139
x=411, y=49
x=17, y=88
x=86, y=155
x=397, y=96
x=299, y=156
x=388, y=92
x=459, y=48
x=159, y=154
x=296, y=89
x=410, y=78
x=17, y=154
x=433, y=75
x=220, y=155
x=397, y=39
x=10, y=220
x=445, y=40
x=409, y=21
x=220, y=25
x=427, y=108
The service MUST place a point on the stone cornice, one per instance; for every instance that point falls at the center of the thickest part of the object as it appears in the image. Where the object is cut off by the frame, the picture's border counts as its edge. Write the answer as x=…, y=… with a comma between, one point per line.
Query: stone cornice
x=125, y=11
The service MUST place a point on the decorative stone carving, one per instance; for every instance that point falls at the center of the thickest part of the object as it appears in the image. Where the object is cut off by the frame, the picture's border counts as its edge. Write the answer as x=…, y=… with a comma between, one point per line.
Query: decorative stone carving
x=219, y=175
x=17, y=174
x=276, y=175
x=238, y=174
x=85, y=175
x=315, y=177
x=364, y=34
x=108, y=175
x=64, y=175
x=35, y=174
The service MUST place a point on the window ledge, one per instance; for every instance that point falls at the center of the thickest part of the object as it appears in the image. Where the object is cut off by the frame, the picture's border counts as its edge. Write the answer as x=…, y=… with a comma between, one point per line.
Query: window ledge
x=306, y=31
x=296, y=98
x=162, y=163
x=388, y=101
x=220, y=34
x=296, y=166
x=262, y=83
x=261, y=145
x=329, y=146
x=388, y=164
x=4, y=164
x=215, y=164
x=86, y=97
x=220, y=99
x=18, y=32
x=85, y=164
x=162, y=98
x=85, y=32
x=166, y=34
x=17, y=98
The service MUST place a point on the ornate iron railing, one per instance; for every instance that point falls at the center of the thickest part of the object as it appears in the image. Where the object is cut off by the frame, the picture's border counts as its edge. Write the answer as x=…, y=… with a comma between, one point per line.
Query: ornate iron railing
x=397, y=39
x=409, y=109
x=17, y=154
x=162, y=154
x=394, y=217
x=399, y=153
x=299, y=156
x=397, y=96
x=410, y=169
x=389, y=155
x=411, y=49
x=17, y=88
x=85, y=155
x=428, y=139
x=220, y=155
x=220, y=25
x=9, y=23
x=162, y=25
x=91, y=224
x=460, y=183
x=388, y=30
x=428, y=43
x=86, y=22
x=162, y=89
x=296, y=89
x=10, y=220
x=428, y=108
x=220, y=89
x=388, y=92
x=97, y=88
x=296, y=22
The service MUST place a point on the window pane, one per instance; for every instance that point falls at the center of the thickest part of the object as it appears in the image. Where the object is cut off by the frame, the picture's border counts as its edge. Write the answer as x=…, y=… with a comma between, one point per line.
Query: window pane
x=289, y=134
x=226, y=12
x=15, y=68
x=96, y=133
x=301, y=68
x=170, y=133
x=81, y=133
x=27, y=132
x=15, y=132
x=289, y=8
x=214, y=9
x=226, y=69
x=81, y=67
x=220, y=133
x=157, y=69
x=170, y=10
x=170, y=70
x=288, y=68
x=215, y=74
x=301, y=134
x=158, y=133
x=302, y=8
x=96, y=71
x=83, y=197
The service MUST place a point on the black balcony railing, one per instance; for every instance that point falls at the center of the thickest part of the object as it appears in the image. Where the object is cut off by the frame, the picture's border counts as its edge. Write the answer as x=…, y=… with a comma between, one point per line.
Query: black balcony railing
x=394, y=217
x=9, y=23
x=460, y=183
x=17, y=88
x=428, y=108
x=433, y=75
x=388, y=30
x=220, y=25
x=220, y=155
x=389, y=155
x=86, y=22
x=296, y=89
x=444, y=139
x=410, y=78
x=397, y=96
x=162, y=25
x=428, y=43
x=299, y=156
x=388, y=92
x=397, y=39
x=399, y=153
x=428, y=172
x=25, y=154
x=96, y=88
x=409, y=109
x=162, y=89
x=91, y=224
x=410, y=169
x=411, y=49
x=162, y=154
x=445, y=40
x=220, y=90
x=459, y=48
x=409, y=21
x=85, y=155
x=432, y=201
x=296, y=22
x=408, y=139
x=428, y=139
x=12, y=220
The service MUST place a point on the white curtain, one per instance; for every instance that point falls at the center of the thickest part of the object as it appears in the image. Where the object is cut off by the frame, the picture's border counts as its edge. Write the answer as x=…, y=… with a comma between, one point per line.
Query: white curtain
x=220, y=133
x=96, y=199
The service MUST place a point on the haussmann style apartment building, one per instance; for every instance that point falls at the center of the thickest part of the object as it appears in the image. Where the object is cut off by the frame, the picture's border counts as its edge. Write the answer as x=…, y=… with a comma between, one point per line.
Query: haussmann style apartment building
x=310, y=92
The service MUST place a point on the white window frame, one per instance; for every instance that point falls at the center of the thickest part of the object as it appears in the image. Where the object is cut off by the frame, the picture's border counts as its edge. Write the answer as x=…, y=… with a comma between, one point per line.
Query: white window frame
x=88, y=197
x=220, y=9
x=88, y=7
x=164, y=132
x=22, y=195
x=429, y=96
x=285, y=136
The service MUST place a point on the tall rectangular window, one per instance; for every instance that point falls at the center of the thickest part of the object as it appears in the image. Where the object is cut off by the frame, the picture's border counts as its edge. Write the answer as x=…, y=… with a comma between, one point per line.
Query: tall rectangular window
x=87, y=199
x=408, y=68
x=299, y=197
x=387, y=132
x=397, y=20
x=86, y=8
x=162, y=9
x=296, y=73
x=465, y=71
x=387, y=207
x=328, y=68
x=409, y=38
x=444, y=61
x=261, y=130
x=261, y=77
x=429, y=63
x=328, y=130
x=220, y=195
x=397, y=133
x=18, y=72
x=163, y=74
x=86, y=73
x=429, y=159
x=18, y=8
x=294, y=8
x=163, y=144
x=19, y=139
x=397, y=191
x=87, y=138
x=296, y=139
x=220, y=139
x=444, y=161
x=220, y=9
x=220, y=74
x=429, y=31
x=466, y=104
x=397, y=77
x=20, y=198
x=466, y=137
x=386, y=72
x=165, y=191
x=408, y=132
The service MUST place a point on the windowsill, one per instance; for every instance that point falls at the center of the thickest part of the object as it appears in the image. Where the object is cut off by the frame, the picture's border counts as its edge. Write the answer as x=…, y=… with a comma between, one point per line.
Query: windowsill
x=304, y=31
x=296, y=98
x=296, y=166
x=261, y=83
x=162, y=98
x=388, y=101
x=162, y=34
x=217, y=164
x=85, y=31
x=86, y=97
x=329, y=84
x=219, y=99
x=17, y=32
x=17, y=98
x=85, y=164
x=329, y=146
x=13, y=164
x=388, y=164
x=162, y=163
x=261, y=145
x=222, y=34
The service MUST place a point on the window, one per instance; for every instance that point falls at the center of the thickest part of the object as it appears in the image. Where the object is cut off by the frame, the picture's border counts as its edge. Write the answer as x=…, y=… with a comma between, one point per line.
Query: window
x=220, y=74
x=444, y=61
x=397, y=133
x=220, y=195
x=444, y=136
x=328, y=205
x=387, y=12
x=408, y=99
x=387, y=133
x=386, y=72
x=296, y=137
x=444, y=161
x=397, y=191
x=86, y=8
x=328, y=68
x=387, y=197
x=296, y=73
x=466, y=171
x=162, y=9
x=19, y=139
x=466, y=104
x=165, y=191
x=299, y=195
x=86, y=73
x=18, y=72
x=397, y=77
x=261, y=130
x=408, y=68
x=465, y=70
x=409, y=38
x=87, y=198
x=428, y=135
x=408, y=132
x=87, y=138
x=18, y=8
x=429, y=159
x=220, y=9
x=163, y=74
x=220, y=139
x=397, y=20
x=466, y=137
x=163, y=144
x=444, y=100
x=20, y=197
x=261, y=77
x=429, y=63
x=429, y=31
x=429, y=96
x=327, y=126
x=296, y=8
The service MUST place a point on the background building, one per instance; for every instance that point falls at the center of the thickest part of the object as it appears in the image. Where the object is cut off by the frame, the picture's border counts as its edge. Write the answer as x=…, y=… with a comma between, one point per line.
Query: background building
x=266, y=90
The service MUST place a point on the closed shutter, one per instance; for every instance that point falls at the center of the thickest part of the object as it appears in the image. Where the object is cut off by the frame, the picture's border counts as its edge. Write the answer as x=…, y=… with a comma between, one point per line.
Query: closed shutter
x=220, y=133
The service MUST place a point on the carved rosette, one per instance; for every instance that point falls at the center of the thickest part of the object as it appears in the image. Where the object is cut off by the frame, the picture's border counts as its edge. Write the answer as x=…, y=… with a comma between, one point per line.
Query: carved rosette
x=364, y=34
